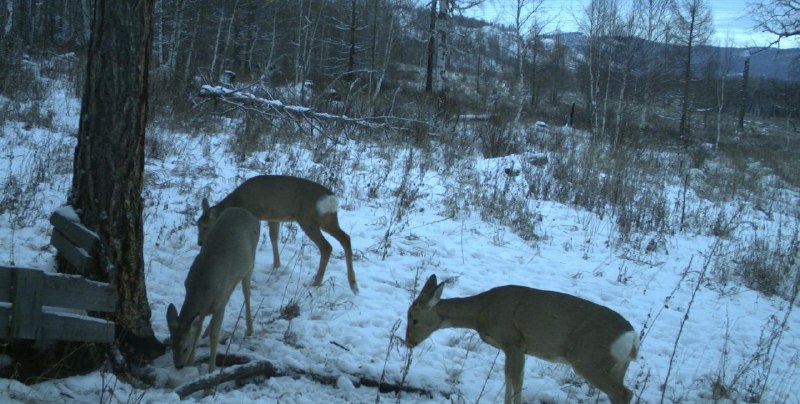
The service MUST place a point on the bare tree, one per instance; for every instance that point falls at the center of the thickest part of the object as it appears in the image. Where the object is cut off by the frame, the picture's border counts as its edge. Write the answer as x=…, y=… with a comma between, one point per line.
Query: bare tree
x=308, y=23
x=554, y=70
x=431, y=62
x=777, y=17
x=527, y=28
x=726, y=65
x=381, y=73
x=693, y=27
x=42, y=24
x=627, y=46
x=109, y=162
x=9, y=17
x=442, y=32
x=744, y=94
x=652, y=26
x=598, y=24
x=440, y=27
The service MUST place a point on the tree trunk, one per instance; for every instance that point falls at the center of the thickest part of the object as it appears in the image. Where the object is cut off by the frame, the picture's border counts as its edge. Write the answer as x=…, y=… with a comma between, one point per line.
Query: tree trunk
x=386, y=60
x=431, y=50
x=187, y=68
x=212, y=71
x=175, y=40
x=621, y=105
x=720, y=105
x=687, y=77
x=604, y=115
x=226, y=50
x=109, y=163
x=10, y=18
x=86, y=13
x=351, y=55
x=743, y=96
x=443, y=28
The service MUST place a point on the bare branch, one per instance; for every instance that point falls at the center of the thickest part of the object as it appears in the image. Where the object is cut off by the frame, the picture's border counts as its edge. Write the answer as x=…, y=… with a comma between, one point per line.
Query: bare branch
x=250, y=102
x=780, y=18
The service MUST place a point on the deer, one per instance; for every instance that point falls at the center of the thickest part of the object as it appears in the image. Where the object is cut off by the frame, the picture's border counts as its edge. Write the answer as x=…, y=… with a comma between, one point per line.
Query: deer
x=597, y=342
x=226, y=259
x=281, y=198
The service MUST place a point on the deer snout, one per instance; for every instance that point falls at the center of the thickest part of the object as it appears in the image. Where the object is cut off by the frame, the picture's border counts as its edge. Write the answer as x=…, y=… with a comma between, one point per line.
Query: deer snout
x=407, y=343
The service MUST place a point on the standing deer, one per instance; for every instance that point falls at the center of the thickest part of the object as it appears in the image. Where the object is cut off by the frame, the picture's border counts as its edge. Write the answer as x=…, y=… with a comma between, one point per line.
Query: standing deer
x=279, y=198
x=226, y=259
x=596, y=341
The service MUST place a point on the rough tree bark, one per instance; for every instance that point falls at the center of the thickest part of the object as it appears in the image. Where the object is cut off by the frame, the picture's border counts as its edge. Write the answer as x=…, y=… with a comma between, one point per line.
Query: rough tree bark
x=442, y=32
x=743, y=95
x=109, y=163
x=431, y=63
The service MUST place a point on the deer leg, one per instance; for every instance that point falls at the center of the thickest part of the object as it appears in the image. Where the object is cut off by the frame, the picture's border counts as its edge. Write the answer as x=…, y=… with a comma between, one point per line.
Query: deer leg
x=514, y=368
x=330, y=224
x=274, y=237
x=313, y=232
x=213, y=330
x=246, y=293
x=194, y=331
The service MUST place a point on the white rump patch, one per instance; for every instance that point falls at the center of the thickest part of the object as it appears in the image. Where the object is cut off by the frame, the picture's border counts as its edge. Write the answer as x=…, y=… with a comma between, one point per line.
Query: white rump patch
x=327, y=204
x=622, y=346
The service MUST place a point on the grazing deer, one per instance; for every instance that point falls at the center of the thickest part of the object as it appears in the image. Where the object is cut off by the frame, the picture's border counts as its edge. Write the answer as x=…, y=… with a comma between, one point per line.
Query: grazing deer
x=597, y=342
x=279, y=198
x=226, y=259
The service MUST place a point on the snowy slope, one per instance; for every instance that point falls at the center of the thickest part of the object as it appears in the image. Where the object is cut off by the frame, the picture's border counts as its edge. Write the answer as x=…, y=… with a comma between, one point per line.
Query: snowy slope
x=693, y=330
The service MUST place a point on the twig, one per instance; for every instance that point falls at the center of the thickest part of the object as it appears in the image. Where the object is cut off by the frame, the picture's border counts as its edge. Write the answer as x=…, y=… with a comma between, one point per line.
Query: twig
x=700, y=279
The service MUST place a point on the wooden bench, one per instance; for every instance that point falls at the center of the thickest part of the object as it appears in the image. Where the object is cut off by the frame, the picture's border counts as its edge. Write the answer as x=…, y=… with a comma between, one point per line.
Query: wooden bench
x=50, y=306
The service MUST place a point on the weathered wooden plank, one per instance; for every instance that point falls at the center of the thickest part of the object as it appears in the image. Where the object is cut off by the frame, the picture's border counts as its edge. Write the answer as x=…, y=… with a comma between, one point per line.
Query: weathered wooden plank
x=72, y=327
x=27, y=304
x=77, y=256
x=26, y=293
x=6, y=290
x=5, y=283
x=62, y=327
x=75, y=292
x=77, y=233
x=5, y=320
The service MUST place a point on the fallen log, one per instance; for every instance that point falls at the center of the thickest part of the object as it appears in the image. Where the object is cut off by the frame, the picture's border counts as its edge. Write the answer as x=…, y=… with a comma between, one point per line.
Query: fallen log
x=238, y=372
x=266, y=369
x=251, y=102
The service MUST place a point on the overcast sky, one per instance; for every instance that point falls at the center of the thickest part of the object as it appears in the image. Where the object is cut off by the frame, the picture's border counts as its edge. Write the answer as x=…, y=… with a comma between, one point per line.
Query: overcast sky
x=730, y=18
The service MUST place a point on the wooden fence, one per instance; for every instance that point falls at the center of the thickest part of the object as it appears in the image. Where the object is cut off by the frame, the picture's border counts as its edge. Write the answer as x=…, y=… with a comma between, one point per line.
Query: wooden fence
x=35, y=305
x=46, y=306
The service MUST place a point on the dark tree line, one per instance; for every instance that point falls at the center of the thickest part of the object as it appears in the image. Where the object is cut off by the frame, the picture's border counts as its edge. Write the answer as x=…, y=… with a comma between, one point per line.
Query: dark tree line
x=366, y=51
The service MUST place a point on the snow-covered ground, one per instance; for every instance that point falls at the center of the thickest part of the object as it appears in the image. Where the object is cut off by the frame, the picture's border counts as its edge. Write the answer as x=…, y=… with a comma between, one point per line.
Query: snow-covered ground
x=693, y=335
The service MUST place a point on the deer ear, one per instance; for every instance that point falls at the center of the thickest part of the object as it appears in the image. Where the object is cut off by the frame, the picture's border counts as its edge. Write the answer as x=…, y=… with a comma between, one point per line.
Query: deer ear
x=431, y=292
x=172, y=317
x=437, y=294
x=430, y=285
x=205, y=205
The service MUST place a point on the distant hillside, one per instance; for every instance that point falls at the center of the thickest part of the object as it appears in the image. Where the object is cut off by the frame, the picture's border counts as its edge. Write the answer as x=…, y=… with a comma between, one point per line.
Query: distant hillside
x=781, y=64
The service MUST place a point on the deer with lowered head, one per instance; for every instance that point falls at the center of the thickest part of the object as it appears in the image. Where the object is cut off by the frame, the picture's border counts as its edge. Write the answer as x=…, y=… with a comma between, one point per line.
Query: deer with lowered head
x=225, y=260
x=596, y=341
x=280, y=198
